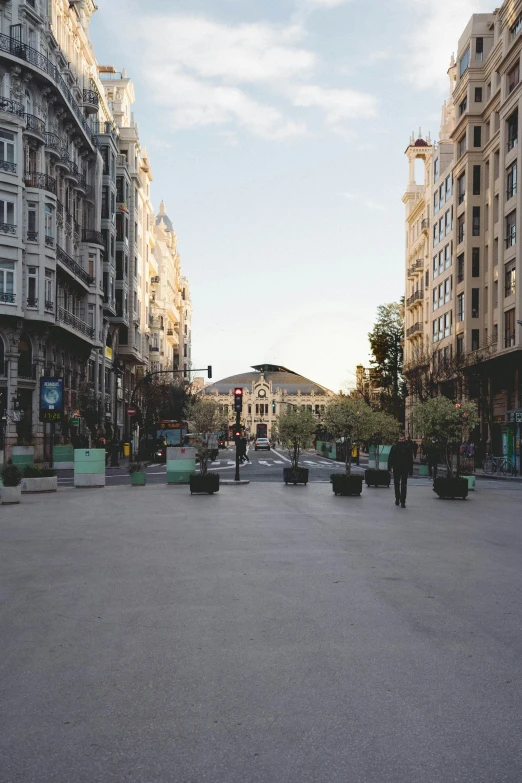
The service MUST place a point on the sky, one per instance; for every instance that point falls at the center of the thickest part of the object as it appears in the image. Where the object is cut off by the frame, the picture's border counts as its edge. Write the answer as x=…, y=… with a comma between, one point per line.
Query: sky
x=276, y=131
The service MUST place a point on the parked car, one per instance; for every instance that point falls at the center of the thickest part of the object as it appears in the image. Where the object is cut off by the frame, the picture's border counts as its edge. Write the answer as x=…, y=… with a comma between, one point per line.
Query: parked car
x=262, y=443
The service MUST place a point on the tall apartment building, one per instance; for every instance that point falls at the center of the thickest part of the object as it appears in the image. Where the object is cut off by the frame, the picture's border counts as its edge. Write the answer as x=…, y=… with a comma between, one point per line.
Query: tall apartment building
x=76, y=226
x=463, y=248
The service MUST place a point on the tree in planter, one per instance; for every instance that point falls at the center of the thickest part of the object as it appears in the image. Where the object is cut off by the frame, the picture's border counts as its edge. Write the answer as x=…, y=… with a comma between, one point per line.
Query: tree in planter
x=382, y=429
x=348, y=418
x=448, y=423
x=296, y=429
x=204, y=419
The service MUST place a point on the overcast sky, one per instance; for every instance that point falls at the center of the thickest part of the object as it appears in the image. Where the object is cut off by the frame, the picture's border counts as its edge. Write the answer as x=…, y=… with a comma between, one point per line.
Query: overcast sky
x=276, y=131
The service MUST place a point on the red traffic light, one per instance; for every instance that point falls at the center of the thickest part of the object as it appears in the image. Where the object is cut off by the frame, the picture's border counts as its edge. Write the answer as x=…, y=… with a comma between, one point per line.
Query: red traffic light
x=238, y=392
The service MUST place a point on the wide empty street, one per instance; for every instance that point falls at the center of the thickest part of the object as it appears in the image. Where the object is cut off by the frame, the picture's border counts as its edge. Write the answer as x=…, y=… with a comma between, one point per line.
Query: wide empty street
x=266, y=634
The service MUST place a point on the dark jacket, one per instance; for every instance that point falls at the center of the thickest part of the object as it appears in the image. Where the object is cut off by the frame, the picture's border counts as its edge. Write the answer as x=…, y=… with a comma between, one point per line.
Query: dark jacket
x=401, y=458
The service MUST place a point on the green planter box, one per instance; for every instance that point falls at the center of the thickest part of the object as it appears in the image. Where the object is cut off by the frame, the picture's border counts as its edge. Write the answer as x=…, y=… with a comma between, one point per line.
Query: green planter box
x=424, y=470
x=23, y=456
x=181, y=464
x=63, y=457
x=89, y=467
x=138, y=479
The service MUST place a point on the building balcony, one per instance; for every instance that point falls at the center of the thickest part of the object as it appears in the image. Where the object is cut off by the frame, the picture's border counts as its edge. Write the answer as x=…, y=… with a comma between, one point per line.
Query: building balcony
x=109, y=305
x=81, y=185
x=91, y=101
x=63, y=162
x=35, y=127
x=90, y=193
x=6, y=165
x=64, y=316
x=32, y=236
x=34, y=179
x=53, y=145
x=32, y=302
x=16, y=48
x=416, y=267
x=72, y=266
x=415, y=297
x=8, y=228
x=73, y=174
x=7, y=298
x=12, y=107
x=92, y=237
x=416, y=329
x=49, y=241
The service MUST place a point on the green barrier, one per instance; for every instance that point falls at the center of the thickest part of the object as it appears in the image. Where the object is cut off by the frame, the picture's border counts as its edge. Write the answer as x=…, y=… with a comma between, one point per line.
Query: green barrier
x=23, y=456
x=89, y=467
x=181, y=464
x=63, y=457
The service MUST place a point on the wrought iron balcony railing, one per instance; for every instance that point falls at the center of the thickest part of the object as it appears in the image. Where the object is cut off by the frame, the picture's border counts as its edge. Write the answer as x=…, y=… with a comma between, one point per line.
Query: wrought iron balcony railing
x=418, y=327
x=49, y=241
x=7, y=298
x=8, y=228
x=32, y=301
x=72, y=320
x=94, y=237
x=36, y=125
x=71, y=264
x=35, y=179
x=32, y=236
x=36, y=58
x=7, y=165
x=49, y=305
x=11, y=107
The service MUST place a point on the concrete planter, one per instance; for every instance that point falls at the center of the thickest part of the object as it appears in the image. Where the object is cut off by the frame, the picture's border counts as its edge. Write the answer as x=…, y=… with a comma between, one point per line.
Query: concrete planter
x=23, y=456
x=451, y=488
x=138, y=478
x=11, y=495
x=45, y=484
x=346, y=485
x=295, y=476
x=209, y=483
x=376, y=478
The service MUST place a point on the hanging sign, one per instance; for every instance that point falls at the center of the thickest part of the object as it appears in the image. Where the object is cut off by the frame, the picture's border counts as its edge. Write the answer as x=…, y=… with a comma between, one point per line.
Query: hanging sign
x=51, y=399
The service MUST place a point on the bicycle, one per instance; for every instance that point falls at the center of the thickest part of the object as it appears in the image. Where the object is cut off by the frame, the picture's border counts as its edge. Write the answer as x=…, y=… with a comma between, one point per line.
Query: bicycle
x=501, y=465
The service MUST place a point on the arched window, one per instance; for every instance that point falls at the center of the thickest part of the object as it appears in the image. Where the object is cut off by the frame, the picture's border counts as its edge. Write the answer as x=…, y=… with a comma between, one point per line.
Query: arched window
x=25, y=358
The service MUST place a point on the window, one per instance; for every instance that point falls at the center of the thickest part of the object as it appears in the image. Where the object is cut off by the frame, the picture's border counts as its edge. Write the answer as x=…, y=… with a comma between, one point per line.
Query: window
x=435, y=202
x=441, y=194
x=460, y=268
x=447, y=222
x=32, y=286
x=477, y=135
x=435, y=304
x=435, y=266
x=475, y=293
x=464, y=62
x=120, y=197
x=478, y=94
x=463, y=106
x=448, y=187
x=119, y=227
x=510, y=279
x=495, y=294
x=460, y=345
x=32, y=221
x=7, y=216
x=7, y=152
x=435, y=169
x=441, y=229
x=461, y=146
x=512, y=130
x=49, y=223
x=475, y=339
x=105, y=156
x=435, y=234
x=447, y=323
x=461, y=227
x=441, y=294
x=435, y=330
x=511, y=181
x=479, y=49
x=509, y=328
x=7, y=289
x=513, y=78
x=476, y=180
x=461, y=188
x=475, y=262
x=49, y=289
x=517, y=27
x=447, y=257
x=476, y=222
x=105, y=203
x=460, y=307
x=511, y=228
x=448, y=289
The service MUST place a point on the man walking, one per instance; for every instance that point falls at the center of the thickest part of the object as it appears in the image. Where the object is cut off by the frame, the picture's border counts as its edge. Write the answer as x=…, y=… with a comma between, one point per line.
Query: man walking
x=401, y=462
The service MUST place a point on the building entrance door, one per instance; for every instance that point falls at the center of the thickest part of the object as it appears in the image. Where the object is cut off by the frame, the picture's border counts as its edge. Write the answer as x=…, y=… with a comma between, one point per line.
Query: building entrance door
x=261, y=430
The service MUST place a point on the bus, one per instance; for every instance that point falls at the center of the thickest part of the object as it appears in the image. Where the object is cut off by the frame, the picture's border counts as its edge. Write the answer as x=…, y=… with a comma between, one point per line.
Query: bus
x=166, y=433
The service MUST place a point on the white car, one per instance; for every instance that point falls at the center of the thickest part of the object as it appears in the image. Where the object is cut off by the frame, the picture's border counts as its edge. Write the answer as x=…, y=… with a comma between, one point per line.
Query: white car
x=262, y=443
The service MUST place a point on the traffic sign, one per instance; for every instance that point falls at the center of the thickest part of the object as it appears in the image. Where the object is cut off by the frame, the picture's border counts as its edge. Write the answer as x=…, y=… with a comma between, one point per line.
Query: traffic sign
x=131, y=411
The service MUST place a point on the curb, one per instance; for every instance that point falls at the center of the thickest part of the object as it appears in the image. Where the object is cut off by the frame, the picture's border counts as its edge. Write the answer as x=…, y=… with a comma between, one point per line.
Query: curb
x=230, y=483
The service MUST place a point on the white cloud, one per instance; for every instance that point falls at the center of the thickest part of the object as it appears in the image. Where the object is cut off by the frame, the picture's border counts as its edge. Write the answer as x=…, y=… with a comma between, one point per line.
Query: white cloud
x=250, y=76
x=363, y=201
x=338, y=105
x=433, y=37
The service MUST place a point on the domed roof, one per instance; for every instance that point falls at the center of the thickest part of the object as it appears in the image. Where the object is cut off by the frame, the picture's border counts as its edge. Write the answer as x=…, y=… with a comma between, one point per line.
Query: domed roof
x=281, y=378
x=163, y=218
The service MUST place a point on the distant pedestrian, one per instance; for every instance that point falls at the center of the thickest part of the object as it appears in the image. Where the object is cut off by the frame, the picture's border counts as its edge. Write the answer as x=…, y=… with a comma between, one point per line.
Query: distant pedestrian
x=415, y=449
x=400, y=462
x=122, y=450
x=433, y=459
x=243, y=456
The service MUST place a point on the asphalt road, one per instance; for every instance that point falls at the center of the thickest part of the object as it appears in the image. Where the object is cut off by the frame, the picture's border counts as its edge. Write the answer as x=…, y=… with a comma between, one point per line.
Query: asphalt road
x=266, y=634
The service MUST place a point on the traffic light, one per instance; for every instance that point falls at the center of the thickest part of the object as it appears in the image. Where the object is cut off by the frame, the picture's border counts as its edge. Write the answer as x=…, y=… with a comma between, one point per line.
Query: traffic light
x=209, y=371
x=238, y=400
x=237, y=434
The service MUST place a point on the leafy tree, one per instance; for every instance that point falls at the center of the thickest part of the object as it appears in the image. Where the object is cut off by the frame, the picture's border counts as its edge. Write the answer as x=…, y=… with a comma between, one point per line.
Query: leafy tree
x=446, y=422
x=162, y=399
x=91, y=408
x=386, y=340
x=383, y=429
x=204, y=417
x=348, y=418
x=296, y=428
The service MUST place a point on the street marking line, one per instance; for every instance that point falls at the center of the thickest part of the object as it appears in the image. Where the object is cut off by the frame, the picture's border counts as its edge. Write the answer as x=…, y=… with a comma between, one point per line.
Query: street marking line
x=278, y=462
x=282, y=456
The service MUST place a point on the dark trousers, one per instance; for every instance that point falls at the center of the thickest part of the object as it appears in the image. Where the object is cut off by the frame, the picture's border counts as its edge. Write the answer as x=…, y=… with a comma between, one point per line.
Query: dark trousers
x=400, y=482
